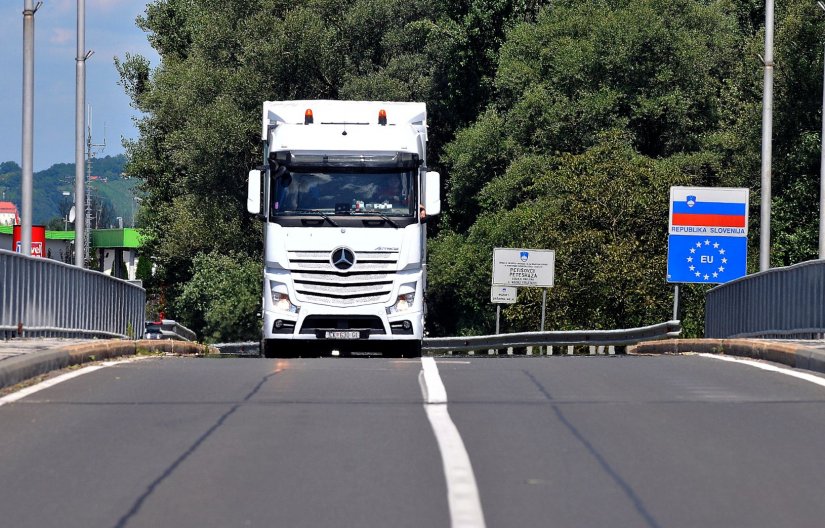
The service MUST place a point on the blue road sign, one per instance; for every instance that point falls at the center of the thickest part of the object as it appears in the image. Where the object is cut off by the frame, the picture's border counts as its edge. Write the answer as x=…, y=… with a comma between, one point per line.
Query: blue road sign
x=706, y=259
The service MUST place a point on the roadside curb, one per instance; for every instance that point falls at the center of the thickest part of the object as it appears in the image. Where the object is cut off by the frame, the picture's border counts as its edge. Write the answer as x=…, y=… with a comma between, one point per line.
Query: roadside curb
x=20, y=368
x=791, y=354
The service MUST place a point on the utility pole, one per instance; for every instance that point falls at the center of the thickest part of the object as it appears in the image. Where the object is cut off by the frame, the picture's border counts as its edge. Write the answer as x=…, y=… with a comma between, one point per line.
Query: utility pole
x=29, y=9
x=90, y=154
x=767, y=135
x=822, y=164
x=81, y=234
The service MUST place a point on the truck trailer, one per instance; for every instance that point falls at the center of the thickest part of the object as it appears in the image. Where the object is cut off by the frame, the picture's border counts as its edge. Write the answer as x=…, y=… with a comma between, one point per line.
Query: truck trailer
x=344, y=194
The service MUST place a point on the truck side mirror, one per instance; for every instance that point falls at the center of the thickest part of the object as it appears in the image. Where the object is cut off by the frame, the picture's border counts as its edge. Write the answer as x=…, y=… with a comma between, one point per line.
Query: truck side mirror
x=432, y=193
x=253, y=192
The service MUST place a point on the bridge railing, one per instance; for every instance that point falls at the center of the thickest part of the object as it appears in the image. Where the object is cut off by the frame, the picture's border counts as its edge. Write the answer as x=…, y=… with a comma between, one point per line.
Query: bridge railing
x=562, y=338
x=783, y=303
x=168, y=329
x=41, y=297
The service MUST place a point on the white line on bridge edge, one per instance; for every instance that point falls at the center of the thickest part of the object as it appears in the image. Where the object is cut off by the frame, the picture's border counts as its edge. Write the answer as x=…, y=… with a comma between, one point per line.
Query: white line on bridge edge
x=462, y=492
x=772, y=368
x=28, y=391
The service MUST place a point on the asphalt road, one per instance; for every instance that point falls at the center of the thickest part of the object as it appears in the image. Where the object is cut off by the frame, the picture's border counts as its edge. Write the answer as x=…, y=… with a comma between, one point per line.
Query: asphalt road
x=669, y=441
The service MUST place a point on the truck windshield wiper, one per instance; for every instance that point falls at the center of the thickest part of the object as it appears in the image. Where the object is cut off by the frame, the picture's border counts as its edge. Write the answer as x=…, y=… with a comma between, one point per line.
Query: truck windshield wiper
x=383, y=217
x=314, y=212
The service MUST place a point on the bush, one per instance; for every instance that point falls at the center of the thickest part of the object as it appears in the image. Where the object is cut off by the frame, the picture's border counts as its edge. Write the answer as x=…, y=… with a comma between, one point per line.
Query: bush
x=222, y=299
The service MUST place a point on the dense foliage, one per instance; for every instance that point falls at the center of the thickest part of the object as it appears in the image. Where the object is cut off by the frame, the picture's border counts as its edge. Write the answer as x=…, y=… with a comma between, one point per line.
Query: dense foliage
x=223, y=296
x=556, y=125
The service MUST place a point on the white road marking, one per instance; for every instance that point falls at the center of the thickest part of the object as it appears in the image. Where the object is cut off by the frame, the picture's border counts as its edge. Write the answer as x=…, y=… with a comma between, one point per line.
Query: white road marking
x=28, y=391
x=769, y=367
x=462, y=492
x=431, y=385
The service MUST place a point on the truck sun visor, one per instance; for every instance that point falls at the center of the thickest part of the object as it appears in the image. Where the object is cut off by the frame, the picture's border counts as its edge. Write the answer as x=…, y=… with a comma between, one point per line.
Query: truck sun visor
x=393, y=160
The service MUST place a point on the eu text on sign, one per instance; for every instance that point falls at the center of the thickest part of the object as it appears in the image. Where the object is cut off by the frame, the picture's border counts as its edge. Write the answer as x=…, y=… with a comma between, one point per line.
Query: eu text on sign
x=707, y=234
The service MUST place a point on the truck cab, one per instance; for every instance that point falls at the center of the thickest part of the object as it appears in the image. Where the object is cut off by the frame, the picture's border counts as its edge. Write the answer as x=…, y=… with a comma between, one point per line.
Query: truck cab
x=344, y=193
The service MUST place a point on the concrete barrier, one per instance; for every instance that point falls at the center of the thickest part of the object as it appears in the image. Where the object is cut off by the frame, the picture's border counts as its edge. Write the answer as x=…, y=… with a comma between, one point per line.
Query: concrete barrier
x=791, y=353
x=16, y=369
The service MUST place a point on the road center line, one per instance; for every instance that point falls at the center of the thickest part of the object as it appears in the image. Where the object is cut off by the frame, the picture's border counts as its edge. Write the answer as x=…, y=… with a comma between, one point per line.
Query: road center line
x=28, y=391
x=462, y=492
x=769, y=367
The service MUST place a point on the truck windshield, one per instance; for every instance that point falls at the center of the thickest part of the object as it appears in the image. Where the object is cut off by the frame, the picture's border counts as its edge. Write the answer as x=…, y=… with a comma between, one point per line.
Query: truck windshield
x=388, y=194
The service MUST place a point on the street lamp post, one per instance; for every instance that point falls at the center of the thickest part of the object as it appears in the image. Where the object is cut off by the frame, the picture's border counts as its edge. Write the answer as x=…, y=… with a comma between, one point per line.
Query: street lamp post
x=80, y=135
x=27, y=162
x=822, y=165
x=767, y=134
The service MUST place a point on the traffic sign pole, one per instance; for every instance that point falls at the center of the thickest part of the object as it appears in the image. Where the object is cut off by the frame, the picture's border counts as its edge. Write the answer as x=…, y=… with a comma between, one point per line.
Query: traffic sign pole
x=498, y=316
x=675, y=302
x=543, y=306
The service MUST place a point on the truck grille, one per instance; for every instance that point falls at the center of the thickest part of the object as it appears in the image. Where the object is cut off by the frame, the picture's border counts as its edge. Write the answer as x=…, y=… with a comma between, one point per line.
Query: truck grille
x=368, y=281
x=320, y=322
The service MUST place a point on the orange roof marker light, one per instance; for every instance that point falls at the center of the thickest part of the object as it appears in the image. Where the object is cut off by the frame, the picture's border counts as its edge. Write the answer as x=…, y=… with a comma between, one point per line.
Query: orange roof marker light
x=308, y=116
x=382, y=117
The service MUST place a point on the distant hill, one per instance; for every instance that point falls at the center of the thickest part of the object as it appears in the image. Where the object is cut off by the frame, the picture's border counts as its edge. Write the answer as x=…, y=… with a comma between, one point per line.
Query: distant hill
x=110, y=189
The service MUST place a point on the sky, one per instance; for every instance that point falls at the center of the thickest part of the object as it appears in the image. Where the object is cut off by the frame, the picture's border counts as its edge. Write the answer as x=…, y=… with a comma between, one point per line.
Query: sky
x=110, y=32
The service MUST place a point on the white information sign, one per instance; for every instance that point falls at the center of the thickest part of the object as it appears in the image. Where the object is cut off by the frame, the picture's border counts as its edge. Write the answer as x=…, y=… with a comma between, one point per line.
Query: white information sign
x=523, y=267
x=503, y=294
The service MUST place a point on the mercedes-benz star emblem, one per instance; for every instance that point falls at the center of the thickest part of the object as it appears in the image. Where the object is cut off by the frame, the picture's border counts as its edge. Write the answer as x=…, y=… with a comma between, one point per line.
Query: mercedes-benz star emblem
x=342, y=258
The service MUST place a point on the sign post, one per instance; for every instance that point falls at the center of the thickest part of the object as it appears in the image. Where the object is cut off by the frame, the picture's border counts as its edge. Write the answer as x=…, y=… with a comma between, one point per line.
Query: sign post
x=707, y=236
x=525, y=268
x=502, y=295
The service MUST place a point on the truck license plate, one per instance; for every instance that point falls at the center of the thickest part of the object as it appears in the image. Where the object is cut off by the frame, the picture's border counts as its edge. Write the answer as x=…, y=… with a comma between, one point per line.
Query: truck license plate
x=342, y=334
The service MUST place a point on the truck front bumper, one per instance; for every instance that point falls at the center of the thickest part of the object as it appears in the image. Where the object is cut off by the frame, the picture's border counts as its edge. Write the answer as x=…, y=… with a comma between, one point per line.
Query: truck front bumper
x=366, y=323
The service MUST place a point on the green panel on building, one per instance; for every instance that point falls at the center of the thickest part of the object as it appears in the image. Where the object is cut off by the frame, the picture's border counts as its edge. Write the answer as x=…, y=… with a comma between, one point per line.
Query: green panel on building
x=101, y=238
x=115, y=238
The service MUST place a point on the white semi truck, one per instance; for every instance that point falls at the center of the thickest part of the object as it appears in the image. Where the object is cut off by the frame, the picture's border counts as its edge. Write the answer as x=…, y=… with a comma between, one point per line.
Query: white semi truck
x=344, y=193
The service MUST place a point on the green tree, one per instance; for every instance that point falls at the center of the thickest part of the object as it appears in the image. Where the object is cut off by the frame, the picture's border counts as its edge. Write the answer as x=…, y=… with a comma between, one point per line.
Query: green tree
x=521, y=94
x=604, y=211
x=600, y=108
x=222, y=298
x=201, y=104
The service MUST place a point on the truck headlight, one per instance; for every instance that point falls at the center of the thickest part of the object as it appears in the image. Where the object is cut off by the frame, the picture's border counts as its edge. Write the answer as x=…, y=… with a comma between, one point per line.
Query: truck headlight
x=280, y=299
x=405, y=300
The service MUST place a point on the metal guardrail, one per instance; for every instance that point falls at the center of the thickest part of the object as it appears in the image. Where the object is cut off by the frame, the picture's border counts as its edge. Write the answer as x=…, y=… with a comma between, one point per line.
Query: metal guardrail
x=593, y=338
x=783, y=303
x=247, y=348
x=41, y=297
x=168, y=329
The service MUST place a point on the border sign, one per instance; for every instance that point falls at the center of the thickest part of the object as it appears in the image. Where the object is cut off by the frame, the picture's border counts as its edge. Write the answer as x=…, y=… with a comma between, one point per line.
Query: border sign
x=523, y=267
x=503, y=294
x=707, y=234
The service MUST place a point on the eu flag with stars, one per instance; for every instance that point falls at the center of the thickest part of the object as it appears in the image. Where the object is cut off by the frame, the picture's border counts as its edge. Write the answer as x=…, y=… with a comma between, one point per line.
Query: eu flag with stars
x=706, y=259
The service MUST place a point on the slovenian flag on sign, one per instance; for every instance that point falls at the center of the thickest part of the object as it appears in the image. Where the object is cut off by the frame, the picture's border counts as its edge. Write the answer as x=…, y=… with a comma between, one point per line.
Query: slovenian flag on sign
x=692, y=212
